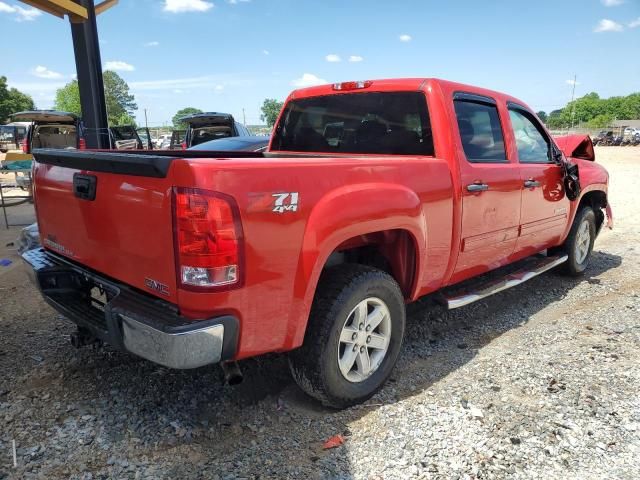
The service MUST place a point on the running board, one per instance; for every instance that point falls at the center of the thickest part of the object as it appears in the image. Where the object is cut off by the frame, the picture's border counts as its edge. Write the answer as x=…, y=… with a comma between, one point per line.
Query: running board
x=537, y=265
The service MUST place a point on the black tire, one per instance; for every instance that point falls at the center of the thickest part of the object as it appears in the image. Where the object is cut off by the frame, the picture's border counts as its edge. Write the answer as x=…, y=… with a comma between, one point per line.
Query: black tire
x=315, y=364
x=575, y=265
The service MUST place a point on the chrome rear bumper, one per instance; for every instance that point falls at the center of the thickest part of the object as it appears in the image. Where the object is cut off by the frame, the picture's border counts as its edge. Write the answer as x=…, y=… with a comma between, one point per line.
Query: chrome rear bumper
x=131, y=320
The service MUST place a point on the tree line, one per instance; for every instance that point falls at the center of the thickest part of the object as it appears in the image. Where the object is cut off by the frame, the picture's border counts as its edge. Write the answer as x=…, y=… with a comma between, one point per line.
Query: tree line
x=593, y=111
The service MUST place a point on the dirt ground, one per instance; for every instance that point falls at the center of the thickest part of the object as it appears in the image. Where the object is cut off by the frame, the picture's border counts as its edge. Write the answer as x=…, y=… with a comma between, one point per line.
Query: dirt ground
x=540, y=381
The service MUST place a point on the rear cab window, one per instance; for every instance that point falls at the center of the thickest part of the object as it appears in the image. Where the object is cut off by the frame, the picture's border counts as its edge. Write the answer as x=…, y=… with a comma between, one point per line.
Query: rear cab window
x=480, y=128
x=392, y=123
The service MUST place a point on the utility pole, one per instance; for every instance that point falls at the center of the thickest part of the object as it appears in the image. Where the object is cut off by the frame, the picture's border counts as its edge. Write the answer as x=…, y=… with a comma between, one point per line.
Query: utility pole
x=146, y=122
x=573, y=96
x=244, y=118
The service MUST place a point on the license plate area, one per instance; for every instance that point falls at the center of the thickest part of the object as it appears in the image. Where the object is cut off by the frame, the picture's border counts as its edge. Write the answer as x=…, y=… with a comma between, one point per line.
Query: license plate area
x=98, y=297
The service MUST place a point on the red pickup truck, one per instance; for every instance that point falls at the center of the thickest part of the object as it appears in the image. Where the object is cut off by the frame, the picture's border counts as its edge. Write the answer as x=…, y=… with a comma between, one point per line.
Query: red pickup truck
x=371, y=195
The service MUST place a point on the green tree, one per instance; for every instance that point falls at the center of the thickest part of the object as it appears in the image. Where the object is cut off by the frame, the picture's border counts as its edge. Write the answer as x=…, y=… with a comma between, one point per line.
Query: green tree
x=12, y=100
x=600, y=121
x=554, y=120
x=270, y=111
x=542, y=115
x=177, y=123
x=120, y=102
x=124, y=119
x=68, y=98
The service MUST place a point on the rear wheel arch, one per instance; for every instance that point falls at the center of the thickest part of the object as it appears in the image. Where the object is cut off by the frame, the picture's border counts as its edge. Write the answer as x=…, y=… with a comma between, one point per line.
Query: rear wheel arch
x=348, y=217
x=392, y=251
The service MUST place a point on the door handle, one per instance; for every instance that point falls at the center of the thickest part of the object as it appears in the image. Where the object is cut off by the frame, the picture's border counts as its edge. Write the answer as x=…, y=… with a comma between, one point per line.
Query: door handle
x=531, y=183
x=477, y=187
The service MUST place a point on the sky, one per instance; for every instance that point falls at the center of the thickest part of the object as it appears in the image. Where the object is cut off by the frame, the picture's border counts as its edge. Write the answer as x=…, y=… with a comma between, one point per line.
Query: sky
x=229, y=55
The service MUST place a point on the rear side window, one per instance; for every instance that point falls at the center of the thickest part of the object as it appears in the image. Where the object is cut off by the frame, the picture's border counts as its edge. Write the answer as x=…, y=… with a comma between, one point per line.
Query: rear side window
x=480, y=131
x=393, y=123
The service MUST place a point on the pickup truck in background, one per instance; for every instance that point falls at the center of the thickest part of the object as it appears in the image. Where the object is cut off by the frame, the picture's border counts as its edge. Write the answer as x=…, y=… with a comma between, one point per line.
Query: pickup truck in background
x=371, y=195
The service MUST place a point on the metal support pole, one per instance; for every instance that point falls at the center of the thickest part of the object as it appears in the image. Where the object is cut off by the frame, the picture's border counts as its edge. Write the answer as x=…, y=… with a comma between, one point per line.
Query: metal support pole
x=89, y=68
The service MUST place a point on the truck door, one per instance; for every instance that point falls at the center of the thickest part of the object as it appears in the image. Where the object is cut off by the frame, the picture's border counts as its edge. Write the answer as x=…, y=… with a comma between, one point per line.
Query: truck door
x=545, y=207
x=491, y=188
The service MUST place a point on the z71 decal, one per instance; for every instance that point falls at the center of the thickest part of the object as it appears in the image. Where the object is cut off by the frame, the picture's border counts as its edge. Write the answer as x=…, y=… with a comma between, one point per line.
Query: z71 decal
x=285, y=202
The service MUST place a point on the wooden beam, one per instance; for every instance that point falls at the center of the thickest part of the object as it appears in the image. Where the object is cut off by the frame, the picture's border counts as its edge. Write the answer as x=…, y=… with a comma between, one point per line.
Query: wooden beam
x=59, y=8
x=104, y=6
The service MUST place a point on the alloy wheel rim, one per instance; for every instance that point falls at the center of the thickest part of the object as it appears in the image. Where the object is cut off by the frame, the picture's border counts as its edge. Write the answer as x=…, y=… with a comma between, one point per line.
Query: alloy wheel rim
x=583, y=242
x=364, y=339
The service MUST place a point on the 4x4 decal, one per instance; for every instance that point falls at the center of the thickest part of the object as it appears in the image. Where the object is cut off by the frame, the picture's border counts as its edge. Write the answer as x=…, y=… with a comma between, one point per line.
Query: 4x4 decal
x=285, y=202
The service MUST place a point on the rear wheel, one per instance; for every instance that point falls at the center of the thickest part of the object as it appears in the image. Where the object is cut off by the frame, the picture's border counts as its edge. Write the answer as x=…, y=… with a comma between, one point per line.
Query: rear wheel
x=579, y=243
x=353, y=337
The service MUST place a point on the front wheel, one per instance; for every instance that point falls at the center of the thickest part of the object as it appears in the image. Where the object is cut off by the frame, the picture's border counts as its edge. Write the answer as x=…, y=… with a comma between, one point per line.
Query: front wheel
x=353, y=338
x=579, y=243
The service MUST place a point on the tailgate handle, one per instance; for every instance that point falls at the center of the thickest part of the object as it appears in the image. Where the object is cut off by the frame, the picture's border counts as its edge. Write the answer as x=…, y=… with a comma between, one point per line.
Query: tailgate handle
x=84, y=186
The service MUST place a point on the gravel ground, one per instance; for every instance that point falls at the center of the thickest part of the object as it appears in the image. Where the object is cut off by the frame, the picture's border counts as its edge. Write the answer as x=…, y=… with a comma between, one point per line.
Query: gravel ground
x=540, y=381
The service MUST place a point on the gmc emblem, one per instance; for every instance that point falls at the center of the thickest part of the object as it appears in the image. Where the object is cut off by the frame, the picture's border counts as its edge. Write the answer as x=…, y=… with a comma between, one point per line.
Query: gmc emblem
x=157, y=286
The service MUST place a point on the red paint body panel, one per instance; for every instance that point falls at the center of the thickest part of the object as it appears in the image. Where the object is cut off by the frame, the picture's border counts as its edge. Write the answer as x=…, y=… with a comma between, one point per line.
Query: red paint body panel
x=127, y=234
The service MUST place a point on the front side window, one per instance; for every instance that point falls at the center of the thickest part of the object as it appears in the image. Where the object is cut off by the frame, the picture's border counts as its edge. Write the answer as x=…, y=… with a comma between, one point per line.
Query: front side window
x=480, y=131
x=532, y=144
x=394, y=123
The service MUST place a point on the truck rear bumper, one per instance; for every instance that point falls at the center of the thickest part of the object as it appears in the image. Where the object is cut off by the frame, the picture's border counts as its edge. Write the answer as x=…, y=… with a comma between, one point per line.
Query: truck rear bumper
x=128, y=319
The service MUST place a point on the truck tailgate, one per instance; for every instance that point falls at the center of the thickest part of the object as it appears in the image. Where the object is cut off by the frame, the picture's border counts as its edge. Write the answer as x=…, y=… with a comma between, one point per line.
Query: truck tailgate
x=126, y=231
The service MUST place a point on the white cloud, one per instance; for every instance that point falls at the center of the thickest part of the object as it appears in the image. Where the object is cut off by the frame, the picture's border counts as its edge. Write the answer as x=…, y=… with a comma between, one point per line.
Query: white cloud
x=119, y=66
x=44, y=72
x=405, y=38
x=218, y=88
x=606, y=25
x=191, y=83
x=37, y=88
x=235, y=2
x=308, y=80
x=635, y=23
x=612, y=3
x=152, y=44
x=571, y=82
x=333, y=58
x=21, y=14
x=266, y=52
x=180, y=6
x=355, y=58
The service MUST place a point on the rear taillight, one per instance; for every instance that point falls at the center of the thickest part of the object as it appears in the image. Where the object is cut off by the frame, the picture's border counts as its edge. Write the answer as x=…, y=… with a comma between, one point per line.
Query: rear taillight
x=82, y=144
x=208, y=240
x=25, y=146
x=183, y=145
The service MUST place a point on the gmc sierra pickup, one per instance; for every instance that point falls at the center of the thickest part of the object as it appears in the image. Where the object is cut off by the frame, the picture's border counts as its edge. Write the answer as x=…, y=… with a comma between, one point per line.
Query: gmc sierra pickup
x=371, y=195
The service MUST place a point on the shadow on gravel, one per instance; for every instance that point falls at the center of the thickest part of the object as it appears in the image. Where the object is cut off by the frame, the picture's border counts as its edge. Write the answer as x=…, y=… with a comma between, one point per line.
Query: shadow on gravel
x=132, y=410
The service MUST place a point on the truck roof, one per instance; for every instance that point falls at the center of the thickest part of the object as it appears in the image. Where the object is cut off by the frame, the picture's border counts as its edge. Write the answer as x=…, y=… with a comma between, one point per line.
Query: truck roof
x=401, y=84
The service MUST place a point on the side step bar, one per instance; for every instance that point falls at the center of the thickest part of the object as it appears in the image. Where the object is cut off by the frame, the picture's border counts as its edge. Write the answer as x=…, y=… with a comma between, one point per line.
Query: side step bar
x=459, y=298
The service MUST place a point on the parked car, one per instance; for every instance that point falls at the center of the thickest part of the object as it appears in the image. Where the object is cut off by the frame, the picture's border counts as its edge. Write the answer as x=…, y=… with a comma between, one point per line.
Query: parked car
x=371, y=195
x=238, y=144
x=163, y=142
x=50, y=129
x=203, y=127
x=604, y=138
x=631, y=131
x=125, y=137
x=12, y=135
